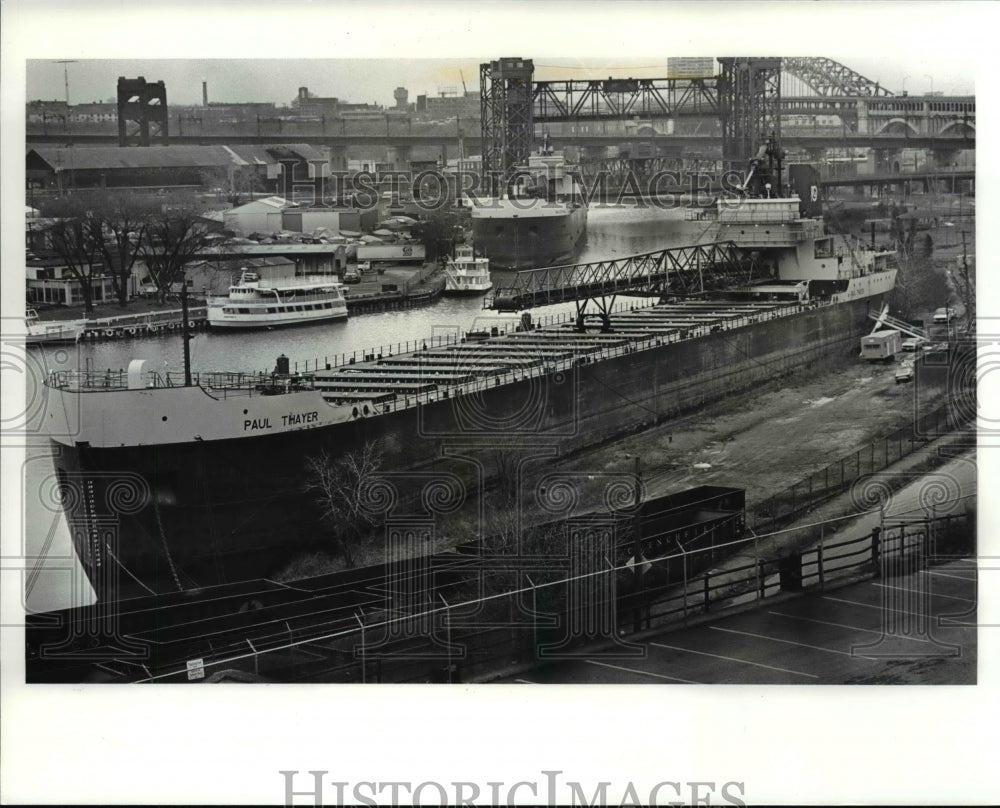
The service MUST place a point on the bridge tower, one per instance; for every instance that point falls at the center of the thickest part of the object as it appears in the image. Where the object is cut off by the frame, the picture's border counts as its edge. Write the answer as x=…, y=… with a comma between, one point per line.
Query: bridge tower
x=506, y=112
x=749, y=106
x=142, y=112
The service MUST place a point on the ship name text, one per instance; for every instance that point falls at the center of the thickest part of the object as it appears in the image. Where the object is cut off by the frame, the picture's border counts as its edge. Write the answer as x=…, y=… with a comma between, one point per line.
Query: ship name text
x=297, y=418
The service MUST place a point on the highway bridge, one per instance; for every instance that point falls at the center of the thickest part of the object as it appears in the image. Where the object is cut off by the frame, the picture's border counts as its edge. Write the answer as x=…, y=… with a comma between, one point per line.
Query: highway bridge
x=950, y=140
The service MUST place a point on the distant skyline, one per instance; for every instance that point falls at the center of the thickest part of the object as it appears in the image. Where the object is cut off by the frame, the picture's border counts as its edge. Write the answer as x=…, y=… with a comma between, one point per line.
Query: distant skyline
x=373, y=80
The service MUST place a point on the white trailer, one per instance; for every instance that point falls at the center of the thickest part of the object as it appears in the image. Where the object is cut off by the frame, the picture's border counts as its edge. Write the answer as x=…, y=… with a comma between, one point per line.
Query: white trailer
x=396, y=253
x=880, y=346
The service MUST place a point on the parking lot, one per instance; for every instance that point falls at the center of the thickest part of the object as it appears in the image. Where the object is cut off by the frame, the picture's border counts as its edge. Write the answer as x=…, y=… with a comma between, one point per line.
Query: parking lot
x=913, y=629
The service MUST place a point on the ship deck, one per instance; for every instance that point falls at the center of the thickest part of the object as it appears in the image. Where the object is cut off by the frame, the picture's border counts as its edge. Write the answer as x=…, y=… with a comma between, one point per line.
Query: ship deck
x=471, y=365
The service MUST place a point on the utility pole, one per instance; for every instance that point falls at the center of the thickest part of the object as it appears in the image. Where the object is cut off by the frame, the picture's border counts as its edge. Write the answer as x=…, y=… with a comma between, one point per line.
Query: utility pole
x=66, y=63
x=186, y=334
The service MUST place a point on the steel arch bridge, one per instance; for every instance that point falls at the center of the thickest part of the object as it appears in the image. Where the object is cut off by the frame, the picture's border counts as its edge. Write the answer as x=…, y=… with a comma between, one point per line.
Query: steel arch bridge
x=829, y=78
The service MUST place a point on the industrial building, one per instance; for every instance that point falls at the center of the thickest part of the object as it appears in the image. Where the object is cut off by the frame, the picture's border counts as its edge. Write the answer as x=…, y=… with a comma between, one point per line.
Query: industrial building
x=273, y=214
x=84, y=167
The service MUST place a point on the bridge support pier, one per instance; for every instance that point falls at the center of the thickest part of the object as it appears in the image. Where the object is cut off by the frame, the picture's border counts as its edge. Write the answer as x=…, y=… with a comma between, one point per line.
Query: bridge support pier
x=399, y=157
x=337, y=158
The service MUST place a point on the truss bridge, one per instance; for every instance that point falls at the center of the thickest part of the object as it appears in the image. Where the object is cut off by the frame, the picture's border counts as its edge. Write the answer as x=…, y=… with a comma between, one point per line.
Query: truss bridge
x=671, y=272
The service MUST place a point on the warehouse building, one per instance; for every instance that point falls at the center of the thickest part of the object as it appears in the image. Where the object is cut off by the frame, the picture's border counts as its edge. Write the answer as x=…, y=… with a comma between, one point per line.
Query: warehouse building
x=87, y=167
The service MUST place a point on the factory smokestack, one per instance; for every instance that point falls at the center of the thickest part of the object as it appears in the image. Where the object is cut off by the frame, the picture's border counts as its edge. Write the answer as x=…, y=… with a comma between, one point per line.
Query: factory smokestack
x=204, y=93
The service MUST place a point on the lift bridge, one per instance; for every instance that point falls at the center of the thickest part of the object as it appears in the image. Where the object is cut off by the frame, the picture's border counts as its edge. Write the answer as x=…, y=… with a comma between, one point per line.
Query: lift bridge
x=668, y=273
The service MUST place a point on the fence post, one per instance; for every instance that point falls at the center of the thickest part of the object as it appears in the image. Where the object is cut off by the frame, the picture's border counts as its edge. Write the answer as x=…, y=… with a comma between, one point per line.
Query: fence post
x=819, y=565
x=363, y=664
x=447, y=617
x=684, y=570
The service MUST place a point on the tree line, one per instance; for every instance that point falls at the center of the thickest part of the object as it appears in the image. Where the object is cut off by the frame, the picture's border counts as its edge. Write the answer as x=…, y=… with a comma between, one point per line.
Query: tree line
x=106, y=233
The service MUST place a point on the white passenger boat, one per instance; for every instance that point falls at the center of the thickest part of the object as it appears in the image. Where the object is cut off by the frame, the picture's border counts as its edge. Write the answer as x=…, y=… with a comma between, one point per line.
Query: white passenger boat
x=466, y=274
x=253, y=303
x=51, y=332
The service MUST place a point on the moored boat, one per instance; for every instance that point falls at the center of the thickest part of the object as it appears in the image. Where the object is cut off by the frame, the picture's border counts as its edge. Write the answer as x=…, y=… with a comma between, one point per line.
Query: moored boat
x=40, y=332
x=467, y=274
x=539, y=222
x=255, y=303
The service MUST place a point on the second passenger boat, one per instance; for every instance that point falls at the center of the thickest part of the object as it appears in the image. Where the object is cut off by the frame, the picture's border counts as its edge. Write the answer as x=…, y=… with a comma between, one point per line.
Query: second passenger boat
x=253, y=303
x=466, y=274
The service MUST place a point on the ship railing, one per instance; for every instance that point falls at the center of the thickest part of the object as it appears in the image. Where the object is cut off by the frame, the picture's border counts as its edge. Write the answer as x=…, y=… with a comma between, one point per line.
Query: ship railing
x=87, y=380
x=216, y=382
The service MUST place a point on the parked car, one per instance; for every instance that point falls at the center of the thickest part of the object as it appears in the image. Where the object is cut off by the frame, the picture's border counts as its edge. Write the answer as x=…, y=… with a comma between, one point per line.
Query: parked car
x=944, y=315
x=913, y=344
x=904, y=373
x=352, y=276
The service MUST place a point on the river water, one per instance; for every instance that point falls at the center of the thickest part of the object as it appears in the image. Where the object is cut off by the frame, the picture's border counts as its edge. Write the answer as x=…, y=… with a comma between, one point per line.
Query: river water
x=56, y=581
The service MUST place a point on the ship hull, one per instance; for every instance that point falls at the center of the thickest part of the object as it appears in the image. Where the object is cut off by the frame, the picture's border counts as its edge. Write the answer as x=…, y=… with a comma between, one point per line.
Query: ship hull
x=224, y=510
x=251, y=322
x=524, y=239
x=467, y=291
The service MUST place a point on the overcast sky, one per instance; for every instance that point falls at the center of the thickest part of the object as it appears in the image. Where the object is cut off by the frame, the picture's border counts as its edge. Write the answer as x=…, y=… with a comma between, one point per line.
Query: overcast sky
x=373, y=80
x=424, y=47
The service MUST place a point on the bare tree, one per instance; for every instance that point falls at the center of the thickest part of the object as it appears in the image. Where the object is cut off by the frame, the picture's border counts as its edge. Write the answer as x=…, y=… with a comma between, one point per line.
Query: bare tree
x=233, y=182
x=342, y=487
x=76, y=238
x=124, y=218
x=174, y=237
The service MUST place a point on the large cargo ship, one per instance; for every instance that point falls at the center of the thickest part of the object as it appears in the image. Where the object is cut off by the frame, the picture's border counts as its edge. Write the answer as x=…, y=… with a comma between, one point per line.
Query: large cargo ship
x=540, y=222
x=181, y=486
